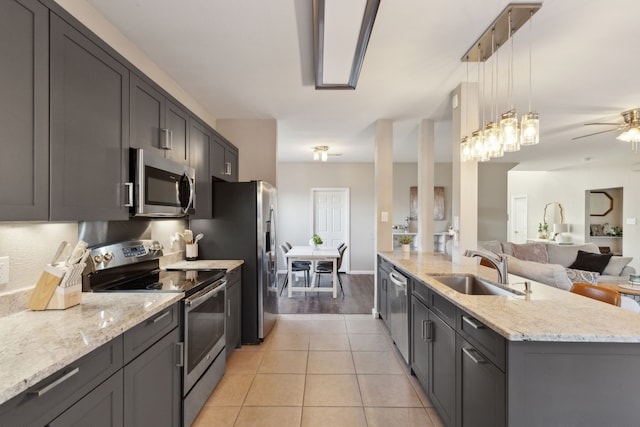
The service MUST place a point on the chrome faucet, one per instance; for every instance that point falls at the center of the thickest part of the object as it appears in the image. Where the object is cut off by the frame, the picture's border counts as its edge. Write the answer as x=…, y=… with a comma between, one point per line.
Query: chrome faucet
x=499, y=263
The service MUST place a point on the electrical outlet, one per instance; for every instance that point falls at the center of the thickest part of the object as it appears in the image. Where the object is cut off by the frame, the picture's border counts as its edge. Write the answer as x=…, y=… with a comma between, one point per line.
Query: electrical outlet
x=4, y=270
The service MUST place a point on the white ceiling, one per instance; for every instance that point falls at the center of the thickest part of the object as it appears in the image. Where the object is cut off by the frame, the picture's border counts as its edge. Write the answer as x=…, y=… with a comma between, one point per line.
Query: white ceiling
x=253, y=59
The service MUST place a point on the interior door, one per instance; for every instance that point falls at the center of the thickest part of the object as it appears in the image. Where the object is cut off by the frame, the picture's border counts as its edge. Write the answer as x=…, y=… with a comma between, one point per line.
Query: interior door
x=518, y=219
x=331, y=218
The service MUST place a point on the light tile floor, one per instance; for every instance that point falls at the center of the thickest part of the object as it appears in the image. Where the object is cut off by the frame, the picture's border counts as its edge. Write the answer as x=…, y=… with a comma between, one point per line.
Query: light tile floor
x=319, y=370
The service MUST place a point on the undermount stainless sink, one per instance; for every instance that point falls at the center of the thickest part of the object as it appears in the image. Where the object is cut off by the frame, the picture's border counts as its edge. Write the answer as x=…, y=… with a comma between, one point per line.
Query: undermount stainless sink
x=473, y=285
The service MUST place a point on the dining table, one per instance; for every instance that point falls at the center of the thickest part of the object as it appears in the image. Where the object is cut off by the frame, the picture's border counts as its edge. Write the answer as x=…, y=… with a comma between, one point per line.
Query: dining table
x=313, y=254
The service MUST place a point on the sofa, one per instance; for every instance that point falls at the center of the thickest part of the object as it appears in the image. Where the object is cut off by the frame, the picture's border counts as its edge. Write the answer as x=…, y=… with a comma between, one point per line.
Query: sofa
x=561, y=265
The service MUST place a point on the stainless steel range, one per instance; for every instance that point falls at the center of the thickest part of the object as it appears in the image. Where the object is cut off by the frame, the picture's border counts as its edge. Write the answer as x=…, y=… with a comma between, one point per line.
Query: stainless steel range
x=133, y=266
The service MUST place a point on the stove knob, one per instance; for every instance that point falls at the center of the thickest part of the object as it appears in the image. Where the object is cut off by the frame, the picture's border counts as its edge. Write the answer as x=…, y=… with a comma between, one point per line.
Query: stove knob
x=98, y=259
x=108, y=256
x=156, y=247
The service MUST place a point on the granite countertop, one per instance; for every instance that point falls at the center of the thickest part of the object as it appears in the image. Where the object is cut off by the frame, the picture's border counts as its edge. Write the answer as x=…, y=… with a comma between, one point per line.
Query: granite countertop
x=204, y=264
x=36, y=344
x=546, y=314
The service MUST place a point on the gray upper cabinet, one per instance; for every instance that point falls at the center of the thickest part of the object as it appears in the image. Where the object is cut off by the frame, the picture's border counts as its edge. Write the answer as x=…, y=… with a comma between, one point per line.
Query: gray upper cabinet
x=177, y=122
x=24, y=112
x=224, y=159
x=89, y=128
x=157, y=124
x=199, y=145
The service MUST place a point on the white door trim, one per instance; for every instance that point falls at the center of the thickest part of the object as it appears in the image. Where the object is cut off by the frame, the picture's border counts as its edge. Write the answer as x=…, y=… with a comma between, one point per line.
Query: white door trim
x=346, y=265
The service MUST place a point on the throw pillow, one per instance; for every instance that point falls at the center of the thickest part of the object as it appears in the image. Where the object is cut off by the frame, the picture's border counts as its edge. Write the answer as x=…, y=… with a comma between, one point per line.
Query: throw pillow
x=548, y=274
x=582, y=276
x=591, y=262
x=616, y=264
x=536, y=252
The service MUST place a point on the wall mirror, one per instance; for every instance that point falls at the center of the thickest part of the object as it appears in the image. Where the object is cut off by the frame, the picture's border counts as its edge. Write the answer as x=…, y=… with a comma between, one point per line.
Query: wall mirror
x=600, y=203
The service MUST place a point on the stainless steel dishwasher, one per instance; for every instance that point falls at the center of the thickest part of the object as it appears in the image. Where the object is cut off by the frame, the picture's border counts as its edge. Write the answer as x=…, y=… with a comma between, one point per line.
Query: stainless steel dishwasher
x=399, y=314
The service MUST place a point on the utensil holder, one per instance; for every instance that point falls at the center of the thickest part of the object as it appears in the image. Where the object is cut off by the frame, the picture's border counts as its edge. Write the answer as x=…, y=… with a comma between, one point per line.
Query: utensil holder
x=191, y=251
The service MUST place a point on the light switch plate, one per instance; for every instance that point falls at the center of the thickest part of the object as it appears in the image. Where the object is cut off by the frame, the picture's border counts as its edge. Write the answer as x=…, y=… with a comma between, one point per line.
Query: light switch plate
x=384, y=216
x=631, y=221
x=4, y=270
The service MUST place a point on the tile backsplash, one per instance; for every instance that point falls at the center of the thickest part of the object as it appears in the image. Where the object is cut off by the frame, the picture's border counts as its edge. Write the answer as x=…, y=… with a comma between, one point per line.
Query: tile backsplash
x=30, y=246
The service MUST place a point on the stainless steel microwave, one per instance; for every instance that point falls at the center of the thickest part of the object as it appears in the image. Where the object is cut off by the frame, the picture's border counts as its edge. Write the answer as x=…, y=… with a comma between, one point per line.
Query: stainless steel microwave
x=160, y=187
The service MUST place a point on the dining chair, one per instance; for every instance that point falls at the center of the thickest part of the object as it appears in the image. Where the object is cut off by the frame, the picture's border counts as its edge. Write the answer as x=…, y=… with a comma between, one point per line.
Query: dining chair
x=288, y=245
x=596, y=292
x=326, y=267
x=304, y=266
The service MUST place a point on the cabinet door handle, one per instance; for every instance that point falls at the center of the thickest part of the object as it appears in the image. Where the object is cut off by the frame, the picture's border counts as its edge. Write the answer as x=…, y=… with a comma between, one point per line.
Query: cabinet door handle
x=162, y=316
x=56, y=383
x=429, y=331
x=166, y=142
x=477, y=359
x=129, y=202
x=473, y=322
x=227, y=168
x=228, y=308
x=180, y=348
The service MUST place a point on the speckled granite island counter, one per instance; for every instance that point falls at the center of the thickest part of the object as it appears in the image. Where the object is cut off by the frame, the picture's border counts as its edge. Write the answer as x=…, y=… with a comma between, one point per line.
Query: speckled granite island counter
x=547, y=358
x=203, y=264
x=37, y=344
x=547, y=314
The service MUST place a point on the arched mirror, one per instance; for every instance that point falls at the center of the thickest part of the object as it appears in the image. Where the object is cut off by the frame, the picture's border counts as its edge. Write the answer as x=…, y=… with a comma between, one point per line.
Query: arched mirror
x=600, y=203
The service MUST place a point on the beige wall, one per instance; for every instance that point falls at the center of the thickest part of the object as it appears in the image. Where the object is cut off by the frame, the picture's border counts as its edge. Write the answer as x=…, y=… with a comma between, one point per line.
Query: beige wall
x=493, y=201
x=257, y=141
x=295, y=181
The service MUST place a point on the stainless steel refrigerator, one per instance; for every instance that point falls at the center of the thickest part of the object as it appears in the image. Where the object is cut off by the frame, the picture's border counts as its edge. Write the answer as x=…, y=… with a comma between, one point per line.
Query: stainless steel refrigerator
x=243, y=226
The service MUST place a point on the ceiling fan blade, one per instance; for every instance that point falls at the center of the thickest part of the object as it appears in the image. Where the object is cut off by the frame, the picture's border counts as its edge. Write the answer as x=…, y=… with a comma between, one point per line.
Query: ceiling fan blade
x=607, y=124
x=595, y=133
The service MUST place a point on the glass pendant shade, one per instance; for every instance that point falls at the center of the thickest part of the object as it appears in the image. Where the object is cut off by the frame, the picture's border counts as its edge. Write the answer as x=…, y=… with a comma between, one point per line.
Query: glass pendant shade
x=324, y=156
x=530, y=129
x=477, y=145
x=509, y=135
x=465, y=149
x=492, y=140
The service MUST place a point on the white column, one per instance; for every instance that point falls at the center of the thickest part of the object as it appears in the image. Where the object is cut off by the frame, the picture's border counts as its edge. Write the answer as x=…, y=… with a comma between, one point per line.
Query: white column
x=426, y=181
x=465, y=174
x=384, y=184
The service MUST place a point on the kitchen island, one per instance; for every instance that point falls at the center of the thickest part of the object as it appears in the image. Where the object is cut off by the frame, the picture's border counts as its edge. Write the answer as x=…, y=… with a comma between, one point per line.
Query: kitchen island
x=544, y=358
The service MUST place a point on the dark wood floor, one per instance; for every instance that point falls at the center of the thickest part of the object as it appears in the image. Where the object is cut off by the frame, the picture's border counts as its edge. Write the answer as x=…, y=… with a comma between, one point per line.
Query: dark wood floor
x=357, y=298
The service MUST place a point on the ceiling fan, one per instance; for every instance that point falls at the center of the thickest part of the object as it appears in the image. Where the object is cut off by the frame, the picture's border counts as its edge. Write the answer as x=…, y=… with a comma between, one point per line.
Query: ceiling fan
x=630, y=128
x=321, y=152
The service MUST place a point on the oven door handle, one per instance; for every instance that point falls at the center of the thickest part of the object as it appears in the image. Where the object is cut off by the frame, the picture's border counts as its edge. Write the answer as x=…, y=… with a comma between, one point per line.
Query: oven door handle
x=208, y=292
x=191, y=182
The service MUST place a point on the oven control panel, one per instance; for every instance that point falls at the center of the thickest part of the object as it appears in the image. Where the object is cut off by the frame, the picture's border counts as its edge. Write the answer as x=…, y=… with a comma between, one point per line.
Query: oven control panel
x=124, y=253
x=134, y=251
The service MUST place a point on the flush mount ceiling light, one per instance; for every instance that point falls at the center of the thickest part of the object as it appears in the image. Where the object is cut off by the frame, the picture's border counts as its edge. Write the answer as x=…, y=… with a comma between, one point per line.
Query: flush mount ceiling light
x=321, y=152
x=341, y=32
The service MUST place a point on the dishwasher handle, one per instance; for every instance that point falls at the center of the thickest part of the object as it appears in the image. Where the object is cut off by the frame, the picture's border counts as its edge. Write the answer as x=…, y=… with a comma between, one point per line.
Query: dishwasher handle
x=399, y=280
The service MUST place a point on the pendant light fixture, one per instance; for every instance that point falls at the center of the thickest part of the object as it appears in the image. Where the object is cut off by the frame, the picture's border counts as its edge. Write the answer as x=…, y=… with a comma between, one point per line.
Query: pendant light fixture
x=509, y=132
x=505, y=135
x=465, y=143
x=530, y=121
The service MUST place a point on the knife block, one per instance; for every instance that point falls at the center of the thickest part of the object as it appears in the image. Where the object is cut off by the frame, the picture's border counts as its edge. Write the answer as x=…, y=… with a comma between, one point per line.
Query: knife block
x=57, y=289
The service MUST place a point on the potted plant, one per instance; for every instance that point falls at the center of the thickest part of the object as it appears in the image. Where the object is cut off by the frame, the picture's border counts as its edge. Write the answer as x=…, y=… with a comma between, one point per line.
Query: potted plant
x=315, y=241
x=406, y=242
x=543, y=230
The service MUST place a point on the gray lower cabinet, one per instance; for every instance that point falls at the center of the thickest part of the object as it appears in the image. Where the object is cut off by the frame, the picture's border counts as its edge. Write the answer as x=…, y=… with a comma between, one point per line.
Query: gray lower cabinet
x=152, y=385
x=199, y=145
x=233, y=324
x=24, y=112
x=100, y=408
x=442, y=368
x=157, y=124
x=481, y=388
x=419, y=340
x=224, y=159
x=89, y=128
x=133, y=380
